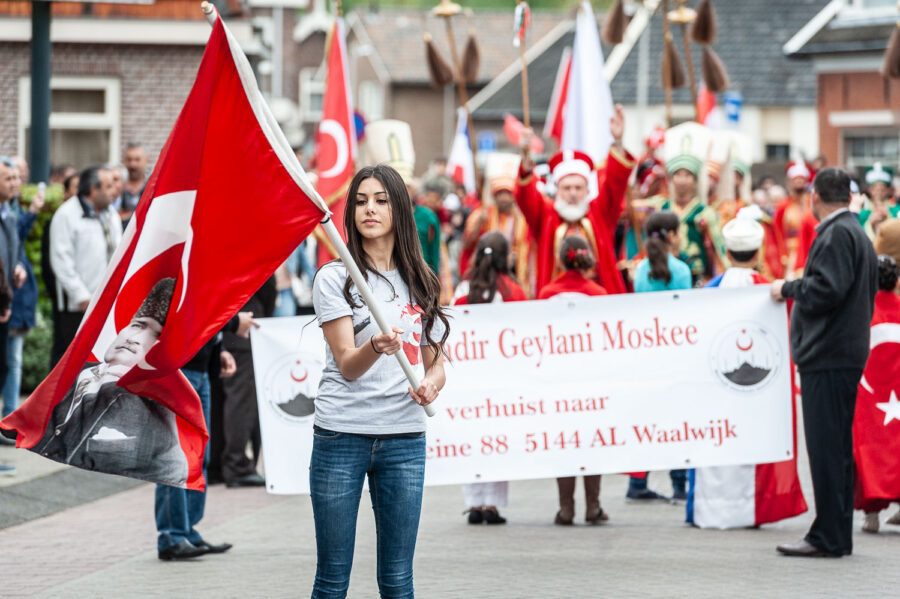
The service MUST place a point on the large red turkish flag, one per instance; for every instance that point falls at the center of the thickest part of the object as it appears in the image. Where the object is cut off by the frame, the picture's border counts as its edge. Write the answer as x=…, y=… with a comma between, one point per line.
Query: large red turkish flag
x=226, y=204
x=335, y=137
x=876, y=425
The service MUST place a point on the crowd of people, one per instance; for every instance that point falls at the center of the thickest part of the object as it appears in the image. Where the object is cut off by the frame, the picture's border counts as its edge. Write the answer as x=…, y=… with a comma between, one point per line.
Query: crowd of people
x=681, y=215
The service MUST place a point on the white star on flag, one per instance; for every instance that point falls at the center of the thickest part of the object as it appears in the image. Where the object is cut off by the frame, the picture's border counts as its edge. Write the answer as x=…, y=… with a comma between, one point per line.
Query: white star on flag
x=891, y=408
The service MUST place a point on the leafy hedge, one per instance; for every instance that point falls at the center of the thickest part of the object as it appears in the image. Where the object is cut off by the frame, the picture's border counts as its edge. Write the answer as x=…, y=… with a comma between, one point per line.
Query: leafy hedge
x=38, y=342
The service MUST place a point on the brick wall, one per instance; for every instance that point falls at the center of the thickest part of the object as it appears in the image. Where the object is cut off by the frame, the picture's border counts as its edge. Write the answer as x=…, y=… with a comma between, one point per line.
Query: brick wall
x=847, y=92
x=155, y=81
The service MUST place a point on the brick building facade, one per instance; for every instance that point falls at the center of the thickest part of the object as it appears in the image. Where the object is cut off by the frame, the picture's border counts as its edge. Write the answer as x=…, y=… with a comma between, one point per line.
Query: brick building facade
x=858, y=109
x=119, y=73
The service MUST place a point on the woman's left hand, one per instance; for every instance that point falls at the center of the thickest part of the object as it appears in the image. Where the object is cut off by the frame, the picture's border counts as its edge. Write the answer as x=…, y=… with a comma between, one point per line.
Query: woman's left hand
x=426, y=393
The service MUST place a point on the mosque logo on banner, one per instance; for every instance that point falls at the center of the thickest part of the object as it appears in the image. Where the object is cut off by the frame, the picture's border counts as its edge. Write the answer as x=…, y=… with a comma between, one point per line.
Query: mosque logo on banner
x=290, y=384
x=745, y=356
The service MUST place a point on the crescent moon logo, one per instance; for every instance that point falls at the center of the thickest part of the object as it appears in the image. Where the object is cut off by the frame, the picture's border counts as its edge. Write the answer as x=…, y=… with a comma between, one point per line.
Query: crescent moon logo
x=333, y=129
x=302, y=378
x=741, y=347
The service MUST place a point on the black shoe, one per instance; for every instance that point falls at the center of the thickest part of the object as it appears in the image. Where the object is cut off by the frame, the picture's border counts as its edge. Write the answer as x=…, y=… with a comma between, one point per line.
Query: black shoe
x=183, y=550
x=249, y=480
x=476, y=516
x=801, y=548
x=221, y=548
x=678, y=496
x=493, y=517
x=8, y=442
x=644, y=496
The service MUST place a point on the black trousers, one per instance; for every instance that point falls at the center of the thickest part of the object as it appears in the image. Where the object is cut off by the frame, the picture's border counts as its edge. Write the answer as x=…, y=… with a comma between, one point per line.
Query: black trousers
x=829, y=401
x=65, y=325
x=240, y=417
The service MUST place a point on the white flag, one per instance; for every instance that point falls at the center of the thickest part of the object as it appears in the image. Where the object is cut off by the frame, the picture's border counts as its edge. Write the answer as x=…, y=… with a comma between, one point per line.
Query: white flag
x=461, y=163
x=589, y=104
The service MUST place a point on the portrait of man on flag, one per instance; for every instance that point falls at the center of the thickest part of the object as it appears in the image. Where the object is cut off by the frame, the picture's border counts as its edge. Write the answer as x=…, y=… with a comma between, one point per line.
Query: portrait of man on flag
x=100, y=426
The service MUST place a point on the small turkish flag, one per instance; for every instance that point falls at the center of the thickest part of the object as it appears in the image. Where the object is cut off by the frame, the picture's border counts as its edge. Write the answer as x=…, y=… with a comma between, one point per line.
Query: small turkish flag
x=335, y=137
x=226, y=204
x=876, y=424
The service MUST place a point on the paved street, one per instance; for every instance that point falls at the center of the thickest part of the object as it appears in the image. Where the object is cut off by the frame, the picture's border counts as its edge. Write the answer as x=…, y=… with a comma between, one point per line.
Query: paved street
x=106, y=548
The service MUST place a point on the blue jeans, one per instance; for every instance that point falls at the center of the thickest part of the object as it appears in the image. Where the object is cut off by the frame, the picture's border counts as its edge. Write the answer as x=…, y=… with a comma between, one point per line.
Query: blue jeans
x=679, y=481
x=396, y=470
x=287, y=305
x=13, y=384
x=179, y=510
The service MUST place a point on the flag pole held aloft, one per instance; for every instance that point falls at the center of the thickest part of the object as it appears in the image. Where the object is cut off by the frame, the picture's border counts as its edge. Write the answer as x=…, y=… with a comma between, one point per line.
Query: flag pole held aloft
x=331, y=231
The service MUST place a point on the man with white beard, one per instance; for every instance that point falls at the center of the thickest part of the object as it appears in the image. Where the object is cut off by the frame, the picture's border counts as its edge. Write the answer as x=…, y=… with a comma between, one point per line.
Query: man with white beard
x=588, y=203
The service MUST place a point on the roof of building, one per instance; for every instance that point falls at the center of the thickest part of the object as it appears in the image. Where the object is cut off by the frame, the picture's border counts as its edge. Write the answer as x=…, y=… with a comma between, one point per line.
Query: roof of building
x=837, y=32
x=750, y=39
x=397, y=37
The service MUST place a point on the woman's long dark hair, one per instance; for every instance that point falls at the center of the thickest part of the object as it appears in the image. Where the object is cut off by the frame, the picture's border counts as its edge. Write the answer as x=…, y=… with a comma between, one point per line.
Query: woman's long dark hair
x=491, y=260
x=423, y=284
x=657, y=229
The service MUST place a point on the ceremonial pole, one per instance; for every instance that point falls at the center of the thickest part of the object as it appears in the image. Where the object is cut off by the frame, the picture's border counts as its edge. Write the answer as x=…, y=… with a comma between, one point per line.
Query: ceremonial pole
x=447, y=10
x=667, y=68
x=683, y=16
x=331, y=231
x=523, y=16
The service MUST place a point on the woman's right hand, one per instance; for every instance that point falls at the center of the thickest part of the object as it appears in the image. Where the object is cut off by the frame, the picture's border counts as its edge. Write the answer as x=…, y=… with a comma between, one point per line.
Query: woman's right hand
x=387, y=343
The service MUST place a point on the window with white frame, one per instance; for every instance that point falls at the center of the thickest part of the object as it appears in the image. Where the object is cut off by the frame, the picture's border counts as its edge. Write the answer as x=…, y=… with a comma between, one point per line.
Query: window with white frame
x=85, y=119
x=862, y=149
x=371, y=100
x=312, y=95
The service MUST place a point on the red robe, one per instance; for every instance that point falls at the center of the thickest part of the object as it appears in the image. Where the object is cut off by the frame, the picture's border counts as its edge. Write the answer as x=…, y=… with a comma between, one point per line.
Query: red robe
x=876, y=427
x=795, y=226
x=597, y=225
x=571, y=281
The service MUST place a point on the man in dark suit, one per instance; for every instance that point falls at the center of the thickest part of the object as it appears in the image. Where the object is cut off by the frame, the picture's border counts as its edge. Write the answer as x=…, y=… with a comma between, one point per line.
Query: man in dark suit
x=100, y=426
x=833, y=304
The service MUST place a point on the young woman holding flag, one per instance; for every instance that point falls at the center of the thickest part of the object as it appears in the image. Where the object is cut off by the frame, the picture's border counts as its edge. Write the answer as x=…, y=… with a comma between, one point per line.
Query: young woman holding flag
x=368, y=420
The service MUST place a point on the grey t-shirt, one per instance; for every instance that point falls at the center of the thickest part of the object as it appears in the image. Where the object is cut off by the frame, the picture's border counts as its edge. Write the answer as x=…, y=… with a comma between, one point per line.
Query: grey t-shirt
x=378, y=402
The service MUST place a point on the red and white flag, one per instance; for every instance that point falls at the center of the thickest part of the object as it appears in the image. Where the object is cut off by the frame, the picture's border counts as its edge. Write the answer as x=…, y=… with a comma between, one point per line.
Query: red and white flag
x=460, y=162
x=876, y=425
x=553, y=128
x=335, y=137
x=589, y=104
x=225, y=205
x=522, y=23
x=513, y=128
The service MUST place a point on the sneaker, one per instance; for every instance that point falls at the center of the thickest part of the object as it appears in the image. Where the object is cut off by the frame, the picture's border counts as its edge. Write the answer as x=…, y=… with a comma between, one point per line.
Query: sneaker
x=895, y=519
x=870, y=524
x=679, y=496
x=644, y=496
x=476, y=516
x=7, y=470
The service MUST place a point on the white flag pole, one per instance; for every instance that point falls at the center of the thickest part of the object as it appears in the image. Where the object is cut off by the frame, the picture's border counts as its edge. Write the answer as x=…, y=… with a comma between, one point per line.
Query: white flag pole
x=289, y=159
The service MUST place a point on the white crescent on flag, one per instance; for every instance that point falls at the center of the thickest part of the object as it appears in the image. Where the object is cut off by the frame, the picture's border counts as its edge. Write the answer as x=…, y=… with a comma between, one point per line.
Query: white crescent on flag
x=334, y=130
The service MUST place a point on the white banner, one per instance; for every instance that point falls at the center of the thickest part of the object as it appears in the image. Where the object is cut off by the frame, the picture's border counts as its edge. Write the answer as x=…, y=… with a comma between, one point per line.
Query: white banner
x=567, y=387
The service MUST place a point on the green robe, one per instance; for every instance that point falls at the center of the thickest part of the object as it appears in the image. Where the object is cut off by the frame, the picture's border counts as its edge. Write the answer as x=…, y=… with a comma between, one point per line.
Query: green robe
x=696, y=217
x=428, y=228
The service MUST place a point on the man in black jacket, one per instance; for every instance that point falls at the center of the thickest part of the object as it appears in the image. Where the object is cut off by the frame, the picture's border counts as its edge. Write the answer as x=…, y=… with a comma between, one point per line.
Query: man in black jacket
x=833, y=304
